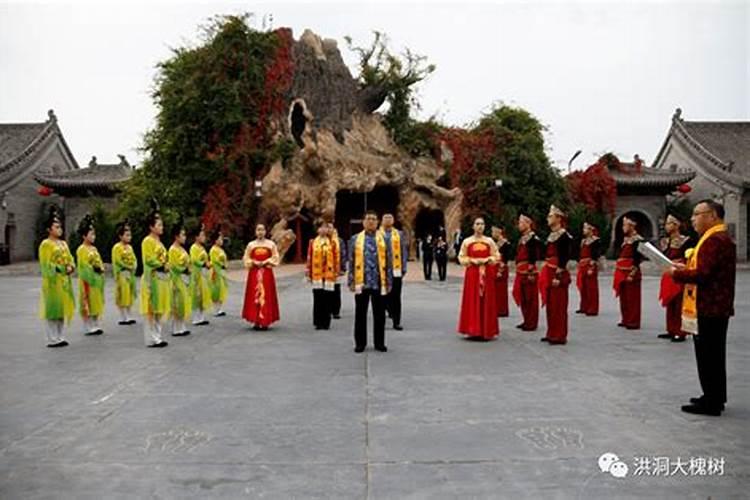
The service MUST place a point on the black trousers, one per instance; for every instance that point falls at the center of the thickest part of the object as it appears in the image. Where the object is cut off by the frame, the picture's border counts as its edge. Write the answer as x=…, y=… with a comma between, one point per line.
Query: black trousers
x=442, y=267
x=322, y=300
x=361, y=304
x=393, y=301
x=427, y=267
x=336, y=300
x=711, y=357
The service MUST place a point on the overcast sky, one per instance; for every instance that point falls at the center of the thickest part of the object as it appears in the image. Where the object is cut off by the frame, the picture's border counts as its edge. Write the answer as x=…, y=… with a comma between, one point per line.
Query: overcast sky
x=602, y=76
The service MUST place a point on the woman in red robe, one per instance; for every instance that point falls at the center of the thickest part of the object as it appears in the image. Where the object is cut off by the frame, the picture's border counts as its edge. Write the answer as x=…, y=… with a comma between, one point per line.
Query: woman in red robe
x=261, y=303
x=501, y=283
x=674, y=246
x=587, y=278
x=479, y=255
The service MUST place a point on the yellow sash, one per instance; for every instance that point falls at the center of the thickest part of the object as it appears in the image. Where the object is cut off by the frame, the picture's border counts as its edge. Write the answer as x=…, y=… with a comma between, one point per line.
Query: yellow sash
x=395, y=250
x=690, y=293
x=323, y=272
x=359, y=262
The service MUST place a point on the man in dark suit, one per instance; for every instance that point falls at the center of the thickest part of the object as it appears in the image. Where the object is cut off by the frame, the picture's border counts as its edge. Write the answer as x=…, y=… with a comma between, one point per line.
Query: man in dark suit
x=708, y=303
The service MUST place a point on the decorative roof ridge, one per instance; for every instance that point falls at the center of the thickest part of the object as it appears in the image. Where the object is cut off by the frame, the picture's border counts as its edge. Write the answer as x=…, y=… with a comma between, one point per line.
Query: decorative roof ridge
x=50, y=128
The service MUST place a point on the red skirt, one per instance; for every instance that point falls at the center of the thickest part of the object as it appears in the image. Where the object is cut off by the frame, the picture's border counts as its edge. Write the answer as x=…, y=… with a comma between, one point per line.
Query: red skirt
x=478, y=317
x=261, y=303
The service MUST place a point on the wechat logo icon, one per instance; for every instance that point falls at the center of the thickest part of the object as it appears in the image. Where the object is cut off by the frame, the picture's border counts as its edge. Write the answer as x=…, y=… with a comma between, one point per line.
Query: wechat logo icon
x=609, y=462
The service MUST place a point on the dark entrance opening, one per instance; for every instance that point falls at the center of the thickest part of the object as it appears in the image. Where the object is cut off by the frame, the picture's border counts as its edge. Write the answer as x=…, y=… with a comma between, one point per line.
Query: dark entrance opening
x=298, y=123
x=351, y=206
x=304, y=231
x=429, y=221
x=643, y=226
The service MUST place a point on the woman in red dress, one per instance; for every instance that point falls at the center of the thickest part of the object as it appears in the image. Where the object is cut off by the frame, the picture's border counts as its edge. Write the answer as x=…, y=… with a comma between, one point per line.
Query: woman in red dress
x=261, y=303
x=479, y=255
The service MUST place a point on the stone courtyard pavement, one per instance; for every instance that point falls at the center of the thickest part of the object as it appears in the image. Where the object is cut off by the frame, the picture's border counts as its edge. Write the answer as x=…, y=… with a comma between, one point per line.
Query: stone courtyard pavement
x=294, y=413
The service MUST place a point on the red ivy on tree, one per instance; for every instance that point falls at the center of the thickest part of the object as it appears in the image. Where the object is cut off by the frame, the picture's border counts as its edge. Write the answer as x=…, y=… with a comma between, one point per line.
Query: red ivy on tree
x=230, y=202
x=473, y=152
x=594, y=187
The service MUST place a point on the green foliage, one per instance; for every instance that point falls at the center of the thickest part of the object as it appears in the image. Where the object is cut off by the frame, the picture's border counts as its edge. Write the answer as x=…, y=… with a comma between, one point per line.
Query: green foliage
x=209, y=123
x=512, y=150
x=395, y=76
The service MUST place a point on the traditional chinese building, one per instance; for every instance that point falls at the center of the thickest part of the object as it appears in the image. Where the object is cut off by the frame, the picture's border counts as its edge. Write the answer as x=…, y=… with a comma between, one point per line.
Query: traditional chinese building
x=27, y=150
x=81, y=190
x=642, y=195
x=37, y=168
x=719, y=154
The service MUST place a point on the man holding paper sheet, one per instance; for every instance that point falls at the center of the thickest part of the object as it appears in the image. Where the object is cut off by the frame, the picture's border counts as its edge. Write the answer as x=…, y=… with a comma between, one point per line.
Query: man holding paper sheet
x=708, y=303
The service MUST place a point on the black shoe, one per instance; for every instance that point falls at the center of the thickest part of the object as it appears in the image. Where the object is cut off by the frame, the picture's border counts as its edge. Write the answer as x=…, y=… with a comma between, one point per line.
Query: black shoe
x=398, y=327
x=263, y=328
x=181, y=334
x=62, y=343
x=621, y=324
x=201, y=323
x=163, y=343
x=632, y=327
x=123, y=322
x=95, y=332
x=679, y=338
x=359, y=349
x=220, y=314
x=664, y=336
x=520, y=326
x=700, y=401
x=557, y=342
x=579, y=311
x=131, y=322
x=698, y=409
x=544, y=339
x=528, y=329
x=256, y=327
x=381, y=348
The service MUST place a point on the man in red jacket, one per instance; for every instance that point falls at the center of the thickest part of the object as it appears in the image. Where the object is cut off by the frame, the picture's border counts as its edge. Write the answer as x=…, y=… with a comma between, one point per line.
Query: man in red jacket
x=708, y=303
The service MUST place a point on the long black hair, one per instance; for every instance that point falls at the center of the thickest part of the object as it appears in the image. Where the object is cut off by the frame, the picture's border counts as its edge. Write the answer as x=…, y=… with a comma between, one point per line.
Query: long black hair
x=154, y=214
x=53, y=215
x=177, y=228
x=122, y=227
x=86, y=225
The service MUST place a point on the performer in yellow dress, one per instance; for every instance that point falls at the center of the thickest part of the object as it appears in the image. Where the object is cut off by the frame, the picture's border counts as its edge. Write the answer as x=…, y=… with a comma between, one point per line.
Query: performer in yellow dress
x=124, y=265
x=90, y=278
x=200, y=265
x=155, y=286
x=218, y=275
x=179, y=271
x=56, y=303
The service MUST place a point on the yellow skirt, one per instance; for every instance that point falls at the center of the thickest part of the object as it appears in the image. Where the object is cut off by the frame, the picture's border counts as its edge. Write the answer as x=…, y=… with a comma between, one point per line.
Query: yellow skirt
x=124, y=291
x=155, y=296
x=57, y=301
x=90, y=299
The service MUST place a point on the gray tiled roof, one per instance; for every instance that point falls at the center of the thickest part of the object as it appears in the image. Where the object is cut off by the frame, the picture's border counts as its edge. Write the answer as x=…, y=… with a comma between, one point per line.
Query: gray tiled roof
x=16, y=137
x=650, y=177
x=727, y=141
x=96, y=176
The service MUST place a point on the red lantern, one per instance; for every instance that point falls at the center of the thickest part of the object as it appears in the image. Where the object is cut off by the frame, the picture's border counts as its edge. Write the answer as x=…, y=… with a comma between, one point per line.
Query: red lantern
x=44, y=191
x=684, y=188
